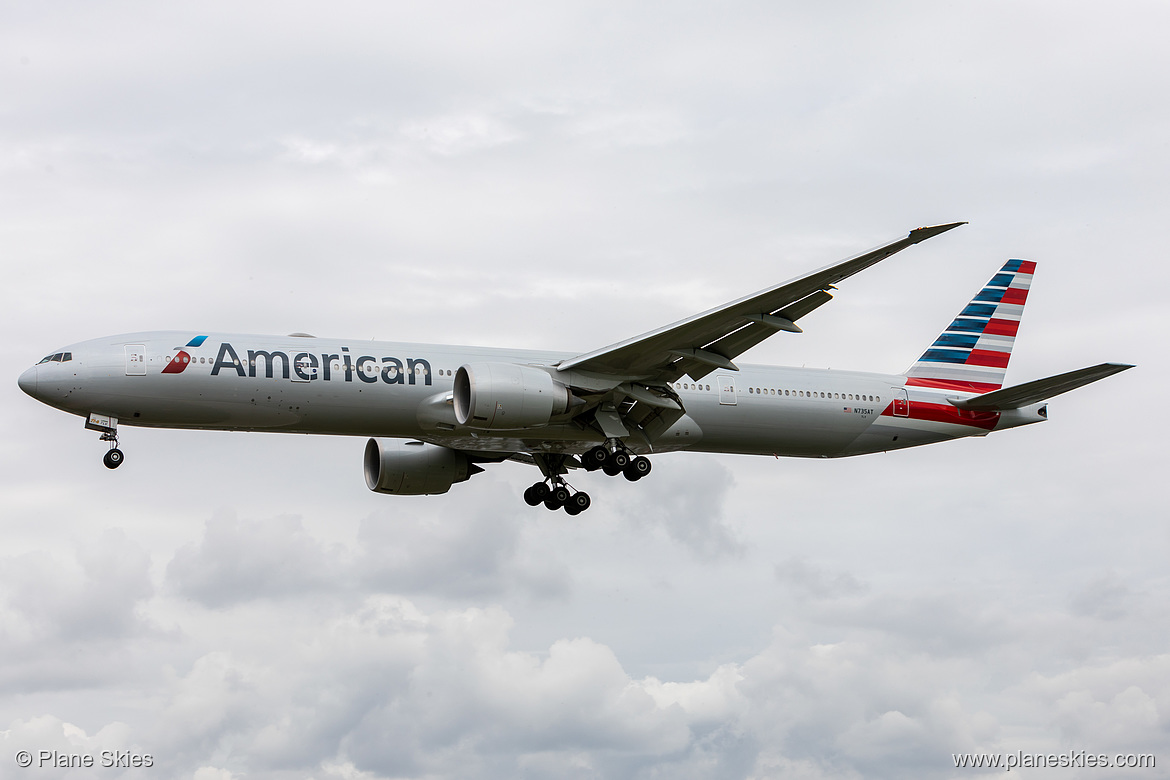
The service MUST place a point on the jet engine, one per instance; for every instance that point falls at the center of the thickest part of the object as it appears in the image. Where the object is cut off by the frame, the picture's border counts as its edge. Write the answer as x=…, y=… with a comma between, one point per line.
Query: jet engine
x=506, y=396
x=414, y=468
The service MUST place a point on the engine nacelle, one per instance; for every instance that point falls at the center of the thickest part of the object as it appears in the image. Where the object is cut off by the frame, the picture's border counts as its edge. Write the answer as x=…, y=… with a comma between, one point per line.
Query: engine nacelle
x=413, y=468
x=506, y=396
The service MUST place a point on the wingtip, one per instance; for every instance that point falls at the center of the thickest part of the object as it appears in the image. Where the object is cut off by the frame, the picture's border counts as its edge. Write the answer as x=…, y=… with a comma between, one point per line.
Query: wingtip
x=923, y=233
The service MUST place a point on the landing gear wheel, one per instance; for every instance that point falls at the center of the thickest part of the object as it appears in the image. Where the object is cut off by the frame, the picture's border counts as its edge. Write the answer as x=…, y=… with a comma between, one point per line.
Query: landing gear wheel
x=113, y=458
x=559, y=496
x=611, y=468
x=620, y=459
x=578, y=503
x=637, y=468
x=595, y=458
x=536, y=494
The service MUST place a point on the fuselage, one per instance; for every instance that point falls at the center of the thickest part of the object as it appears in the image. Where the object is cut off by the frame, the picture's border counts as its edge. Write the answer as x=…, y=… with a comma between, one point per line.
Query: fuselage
x=299, y=384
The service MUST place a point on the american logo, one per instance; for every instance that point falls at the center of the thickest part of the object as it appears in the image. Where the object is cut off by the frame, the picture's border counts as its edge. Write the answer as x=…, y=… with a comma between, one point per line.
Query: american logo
x=181, y=359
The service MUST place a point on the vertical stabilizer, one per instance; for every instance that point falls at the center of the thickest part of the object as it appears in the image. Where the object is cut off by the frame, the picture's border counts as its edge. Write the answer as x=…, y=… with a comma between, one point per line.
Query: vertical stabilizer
x=972, y=353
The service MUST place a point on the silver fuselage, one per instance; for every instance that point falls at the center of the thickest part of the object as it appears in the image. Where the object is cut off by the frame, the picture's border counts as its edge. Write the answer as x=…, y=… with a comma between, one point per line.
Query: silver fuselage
x=298, y=384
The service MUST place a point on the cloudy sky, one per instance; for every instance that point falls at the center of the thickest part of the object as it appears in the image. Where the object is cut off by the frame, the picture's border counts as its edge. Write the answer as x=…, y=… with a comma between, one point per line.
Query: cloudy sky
x=565, y=176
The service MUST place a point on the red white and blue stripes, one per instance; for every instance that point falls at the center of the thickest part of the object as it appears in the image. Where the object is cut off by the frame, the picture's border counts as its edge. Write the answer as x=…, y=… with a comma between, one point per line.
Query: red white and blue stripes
x=972, y=353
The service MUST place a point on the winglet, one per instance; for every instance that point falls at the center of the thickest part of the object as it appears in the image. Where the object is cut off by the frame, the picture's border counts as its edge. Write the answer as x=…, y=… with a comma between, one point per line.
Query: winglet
x=923, y=233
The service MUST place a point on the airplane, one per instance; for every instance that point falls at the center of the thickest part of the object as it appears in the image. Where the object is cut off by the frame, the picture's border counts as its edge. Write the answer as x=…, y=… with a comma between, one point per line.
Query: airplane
x=435, y=415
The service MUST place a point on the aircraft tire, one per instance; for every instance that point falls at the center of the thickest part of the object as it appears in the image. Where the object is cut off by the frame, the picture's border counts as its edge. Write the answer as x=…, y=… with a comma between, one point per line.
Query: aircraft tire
x=620, y=459
x=611, y=468
x=578, y=503
x=556, y=498
x=113, y=459
x=595, y=458
x=536, y=494
x=637, y=468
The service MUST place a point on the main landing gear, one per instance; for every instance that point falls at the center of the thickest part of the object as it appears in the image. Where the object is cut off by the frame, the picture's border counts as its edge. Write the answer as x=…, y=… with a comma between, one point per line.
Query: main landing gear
x=558, y=496
x=619, y=461
x=555, y=493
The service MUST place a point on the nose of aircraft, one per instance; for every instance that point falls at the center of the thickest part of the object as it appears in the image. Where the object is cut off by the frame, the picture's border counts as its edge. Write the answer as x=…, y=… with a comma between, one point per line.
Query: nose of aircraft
x=28, y=381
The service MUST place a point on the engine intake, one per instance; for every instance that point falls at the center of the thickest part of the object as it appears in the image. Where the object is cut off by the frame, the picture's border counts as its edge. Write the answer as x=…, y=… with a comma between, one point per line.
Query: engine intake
x=414, y=468
x=506, y=396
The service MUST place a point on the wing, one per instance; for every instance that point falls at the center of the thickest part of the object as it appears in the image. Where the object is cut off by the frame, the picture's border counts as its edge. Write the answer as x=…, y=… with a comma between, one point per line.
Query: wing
x=700, y=344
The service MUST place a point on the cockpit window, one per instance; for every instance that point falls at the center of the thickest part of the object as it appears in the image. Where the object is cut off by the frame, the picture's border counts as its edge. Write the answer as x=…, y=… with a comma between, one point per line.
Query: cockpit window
x=60, y=357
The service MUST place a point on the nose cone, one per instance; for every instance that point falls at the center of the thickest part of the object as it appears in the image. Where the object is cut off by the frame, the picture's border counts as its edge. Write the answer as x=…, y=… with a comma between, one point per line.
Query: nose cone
x=28, y=381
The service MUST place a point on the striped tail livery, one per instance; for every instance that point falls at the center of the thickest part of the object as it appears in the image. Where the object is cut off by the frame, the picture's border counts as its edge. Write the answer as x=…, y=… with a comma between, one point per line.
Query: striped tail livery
x=972, y=353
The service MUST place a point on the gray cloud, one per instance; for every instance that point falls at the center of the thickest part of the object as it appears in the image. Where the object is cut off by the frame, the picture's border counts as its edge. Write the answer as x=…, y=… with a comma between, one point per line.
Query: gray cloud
x=803, y=576
x=465, y=552
x=688, y=503
x=1105, y=598
x=243, y=560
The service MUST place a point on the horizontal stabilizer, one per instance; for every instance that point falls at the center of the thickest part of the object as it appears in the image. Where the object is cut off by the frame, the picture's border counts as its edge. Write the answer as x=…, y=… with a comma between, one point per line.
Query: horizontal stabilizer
x=1033, y=392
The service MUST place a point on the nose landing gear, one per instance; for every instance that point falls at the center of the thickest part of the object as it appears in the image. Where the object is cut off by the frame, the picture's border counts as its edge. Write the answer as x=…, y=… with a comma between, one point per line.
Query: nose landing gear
x=113, y=458
x=108, y=427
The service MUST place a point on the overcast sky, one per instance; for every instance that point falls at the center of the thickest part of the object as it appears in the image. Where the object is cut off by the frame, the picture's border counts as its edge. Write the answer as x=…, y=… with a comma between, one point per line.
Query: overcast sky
x=564, y=176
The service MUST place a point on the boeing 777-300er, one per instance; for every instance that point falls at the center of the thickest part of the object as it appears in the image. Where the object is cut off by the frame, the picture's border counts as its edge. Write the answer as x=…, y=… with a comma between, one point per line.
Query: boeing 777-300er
x=437, y=414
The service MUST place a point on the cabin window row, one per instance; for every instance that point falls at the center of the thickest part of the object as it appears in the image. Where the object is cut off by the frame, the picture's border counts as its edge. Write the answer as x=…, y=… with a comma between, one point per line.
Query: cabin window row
x=816, y=394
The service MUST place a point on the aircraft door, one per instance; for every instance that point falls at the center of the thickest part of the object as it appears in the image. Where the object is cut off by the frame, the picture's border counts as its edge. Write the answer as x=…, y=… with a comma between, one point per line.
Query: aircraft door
x=135, y=360
x=901, y=403
x=727, y=390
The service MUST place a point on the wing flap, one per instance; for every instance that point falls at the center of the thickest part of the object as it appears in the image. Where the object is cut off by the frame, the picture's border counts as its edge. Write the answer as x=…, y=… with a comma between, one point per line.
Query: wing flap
x=740, y=341
x=1039, y=390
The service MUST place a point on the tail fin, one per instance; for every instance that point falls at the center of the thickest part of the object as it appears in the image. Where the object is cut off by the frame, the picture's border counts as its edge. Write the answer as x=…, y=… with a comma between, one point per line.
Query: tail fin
x=972, y=353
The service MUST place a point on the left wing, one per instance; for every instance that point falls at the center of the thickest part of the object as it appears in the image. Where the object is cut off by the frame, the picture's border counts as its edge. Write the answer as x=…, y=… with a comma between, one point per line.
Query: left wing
x=700, y=344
